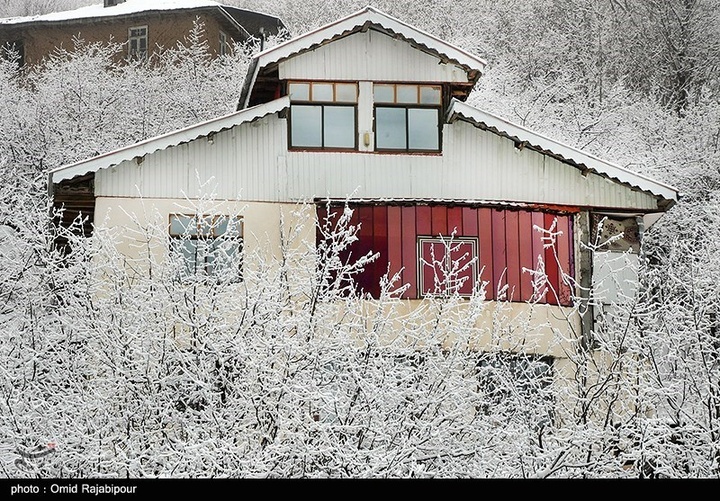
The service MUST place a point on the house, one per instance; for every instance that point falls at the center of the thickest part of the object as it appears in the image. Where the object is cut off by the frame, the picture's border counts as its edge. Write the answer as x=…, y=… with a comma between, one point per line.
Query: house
x=372, y=112
x=145, y=27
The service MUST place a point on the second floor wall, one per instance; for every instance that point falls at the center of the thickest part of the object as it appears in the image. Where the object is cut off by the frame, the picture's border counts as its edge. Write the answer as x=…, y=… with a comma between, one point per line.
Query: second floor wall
x=253, y=162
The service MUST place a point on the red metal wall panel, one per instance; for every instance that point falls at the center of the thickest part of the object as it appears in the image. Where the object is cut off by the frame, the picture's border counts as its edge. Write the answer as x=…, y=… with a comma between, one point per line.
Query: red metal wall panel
x=508, y=246
x=525, y=242
x=512, y=246
x=538, y=246
x=423, y=220
x=563, y=254
x=394, y=242
x=409, y=250
x=367, y=281
x=455, y=221
x=499, y=262
x=484, y=217
x=439, y=221
x=551, y=264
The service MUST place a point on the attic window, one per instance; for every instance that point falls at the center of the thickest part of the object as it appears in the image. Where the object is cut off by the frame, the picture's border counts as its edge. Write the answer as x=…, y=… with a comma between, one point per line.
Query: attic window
x=323, y=115
x=407, y=117
x=138, y=42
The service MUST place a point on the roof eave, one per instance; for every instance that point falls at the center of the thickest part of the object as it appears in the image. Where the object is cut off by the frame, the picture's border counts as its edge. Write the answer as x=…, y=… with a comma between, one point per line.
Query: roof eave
x=164, y=141
x=667, y=195
x=359, y=21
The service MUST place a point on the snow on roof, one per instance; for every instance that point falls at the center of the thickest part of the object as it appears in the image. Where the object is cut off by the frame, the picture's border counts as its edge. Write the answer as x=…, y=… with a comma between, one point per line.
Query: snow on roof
x=98, y=10
x=167, y=140
x=559, y=150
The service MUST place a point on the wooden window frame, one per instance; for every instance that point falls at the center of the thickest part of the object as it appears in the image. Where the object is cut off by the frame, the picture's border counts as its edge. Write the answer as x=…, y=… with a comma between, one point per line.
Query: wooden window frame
x=395, y=103
x=322, y=104
x=224, y=47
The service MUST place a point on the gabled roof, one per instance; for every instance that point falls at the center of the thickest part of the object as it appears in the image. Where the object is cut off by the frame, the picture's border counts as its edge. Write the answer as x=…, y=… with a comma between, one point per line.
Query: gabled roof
x=167, y=140
x=567, y=154
x=361, y=21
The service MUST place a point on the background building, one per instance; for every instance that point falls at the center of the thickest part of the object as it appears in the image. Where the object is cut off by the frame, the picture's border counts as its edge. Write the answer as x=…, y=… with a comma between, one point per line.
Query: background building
x=145, y=27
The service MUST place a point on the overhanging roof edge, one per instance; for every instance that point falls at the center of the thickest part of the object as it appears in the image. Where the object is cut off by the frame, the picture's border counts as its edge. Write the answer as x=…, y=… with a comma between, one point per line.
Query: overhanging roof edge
x=568, y=153
x=170, y=139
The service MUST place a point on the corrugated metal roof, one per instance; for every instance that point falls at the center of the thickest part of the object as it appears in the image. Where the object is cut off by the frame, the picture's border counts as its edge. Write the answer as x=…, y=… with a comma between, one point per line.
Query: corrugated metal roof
x=580, y=159
x=167, y=140
x=361, y=19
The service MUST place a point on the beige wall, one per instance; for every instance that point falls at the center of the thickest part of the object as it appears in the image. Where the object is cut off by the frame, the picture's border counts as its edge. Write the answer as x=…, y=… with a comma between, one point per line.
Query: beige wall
x=540, y=329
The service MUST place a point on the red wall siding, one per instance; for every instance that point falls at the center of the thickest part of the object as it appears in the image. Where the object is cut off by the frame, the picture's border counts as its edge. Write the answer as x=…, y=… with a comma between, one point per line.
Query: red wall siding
x=484, y=216
x=409, y=249
x=509, y=246
x=525, y=241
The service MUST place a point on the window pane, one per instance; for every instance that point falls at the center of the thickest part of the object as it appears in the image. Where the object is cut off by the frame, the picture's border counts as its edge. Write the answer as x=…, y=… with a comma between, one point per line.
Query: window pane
x=429, y=95
x=384, y=93
x=447, y=265
x=462, y=255
x=299, y=91
x=229, y=226
x=306, y=126
x=390, y=128
x=180, y=224
x=188, y=251
x=322, y=92
x=407, y=94
x=339, y=127
x=346, y=93
x=423, y=132
x=432, y=263
x=220, y=225
x=206, y=223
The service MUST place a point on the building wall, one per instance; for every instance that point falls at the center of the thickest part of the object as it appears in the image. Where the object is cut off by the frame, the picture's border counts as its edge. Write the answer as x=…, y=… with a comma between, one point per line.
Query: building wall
x=252, y=162
x=370, y=55
x=532, y=328
x=508, y=246
x=164, y=29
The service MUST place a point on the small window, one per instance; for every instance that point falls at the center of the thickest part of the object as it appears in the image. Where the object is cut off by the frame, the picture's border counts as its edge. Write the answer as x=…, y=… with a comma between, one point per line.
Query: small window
x=407, y=117
x=207, y=246
x=138, y=42
x=447, y=265
x=323, y=115
x=224, y=47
